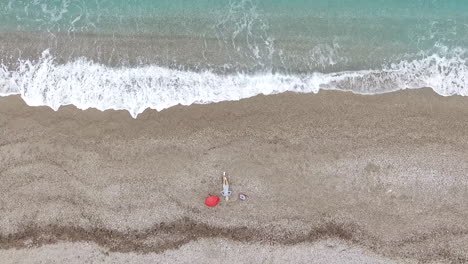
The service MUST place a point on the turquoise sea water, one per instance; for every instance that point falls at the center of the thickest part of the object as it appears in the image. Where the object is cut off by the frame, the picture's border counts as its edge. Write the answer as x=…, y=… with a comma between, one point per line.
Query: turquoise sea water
x=135, y=54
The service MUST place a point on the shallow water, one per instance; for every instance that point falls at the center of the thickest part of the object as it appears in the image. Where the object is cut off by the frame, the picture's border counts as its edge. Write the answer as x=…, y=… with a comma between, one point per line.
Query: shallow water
x=138, y=54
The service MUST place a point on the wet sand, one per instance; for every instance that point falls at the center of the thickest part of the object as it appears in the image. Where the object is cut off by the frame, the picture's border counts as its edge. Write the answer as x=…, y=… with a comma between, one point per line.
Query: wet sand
x=331, y=178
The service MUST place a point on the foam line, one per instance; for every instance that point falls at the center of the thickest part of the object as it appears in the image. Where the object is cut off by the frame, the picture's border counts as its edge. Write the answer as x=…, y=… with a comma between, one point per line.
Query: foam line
x=86, y=84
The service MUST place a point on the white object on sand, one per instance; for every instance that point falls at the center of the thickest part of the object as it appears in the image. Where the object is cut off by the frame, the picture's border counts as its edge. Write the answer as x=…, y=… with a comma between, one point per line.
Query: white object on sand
x=243, y=196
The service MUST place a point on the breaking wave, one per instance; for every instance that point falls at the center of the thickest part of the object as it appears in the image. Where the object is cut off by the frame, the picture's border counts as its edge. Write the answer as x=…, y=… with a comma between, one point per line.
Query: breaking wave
x=87, y=84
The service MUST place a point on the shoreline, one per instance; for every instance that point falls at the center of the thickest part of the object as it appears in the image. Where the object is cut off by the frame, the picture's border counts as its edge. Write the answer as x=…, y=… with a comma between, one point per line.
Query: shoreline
x=387, y=173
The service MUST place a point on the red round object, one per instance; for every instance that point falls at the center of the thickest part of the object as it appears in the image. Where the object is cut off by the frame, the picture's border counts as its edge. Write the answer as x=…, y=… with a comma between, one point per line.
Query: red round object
x=212, y=201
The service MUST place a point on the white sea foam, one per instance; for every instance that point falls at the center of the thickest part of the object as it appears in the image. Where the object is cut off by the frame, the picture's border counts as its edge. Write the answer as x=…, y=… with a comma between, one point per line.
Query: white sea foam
x=86, y=84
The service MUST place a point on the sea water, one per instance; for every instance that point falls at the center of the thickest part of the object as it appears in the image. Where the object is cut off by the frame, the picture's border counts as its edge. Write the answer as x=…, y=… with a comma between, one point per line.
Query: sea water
x=138, y=54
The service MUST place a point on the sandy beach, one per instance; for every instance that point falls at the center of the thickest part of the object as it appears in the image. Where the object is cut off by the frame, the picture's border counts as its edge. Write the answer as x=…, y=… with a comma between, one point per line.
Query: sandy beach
x=331, y=177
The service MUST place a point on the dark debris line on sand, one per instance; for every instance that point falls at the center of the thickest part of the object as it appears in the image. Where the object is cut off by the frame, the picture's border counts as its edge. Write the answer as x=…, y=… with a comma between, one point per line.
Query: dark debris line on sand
x=173, y=235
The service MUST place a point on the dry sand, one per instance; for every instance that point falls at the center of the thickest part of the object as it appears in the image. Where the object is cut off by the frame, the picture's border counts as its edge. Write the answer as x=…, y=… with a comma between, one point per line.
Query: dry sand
x=332, y=178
